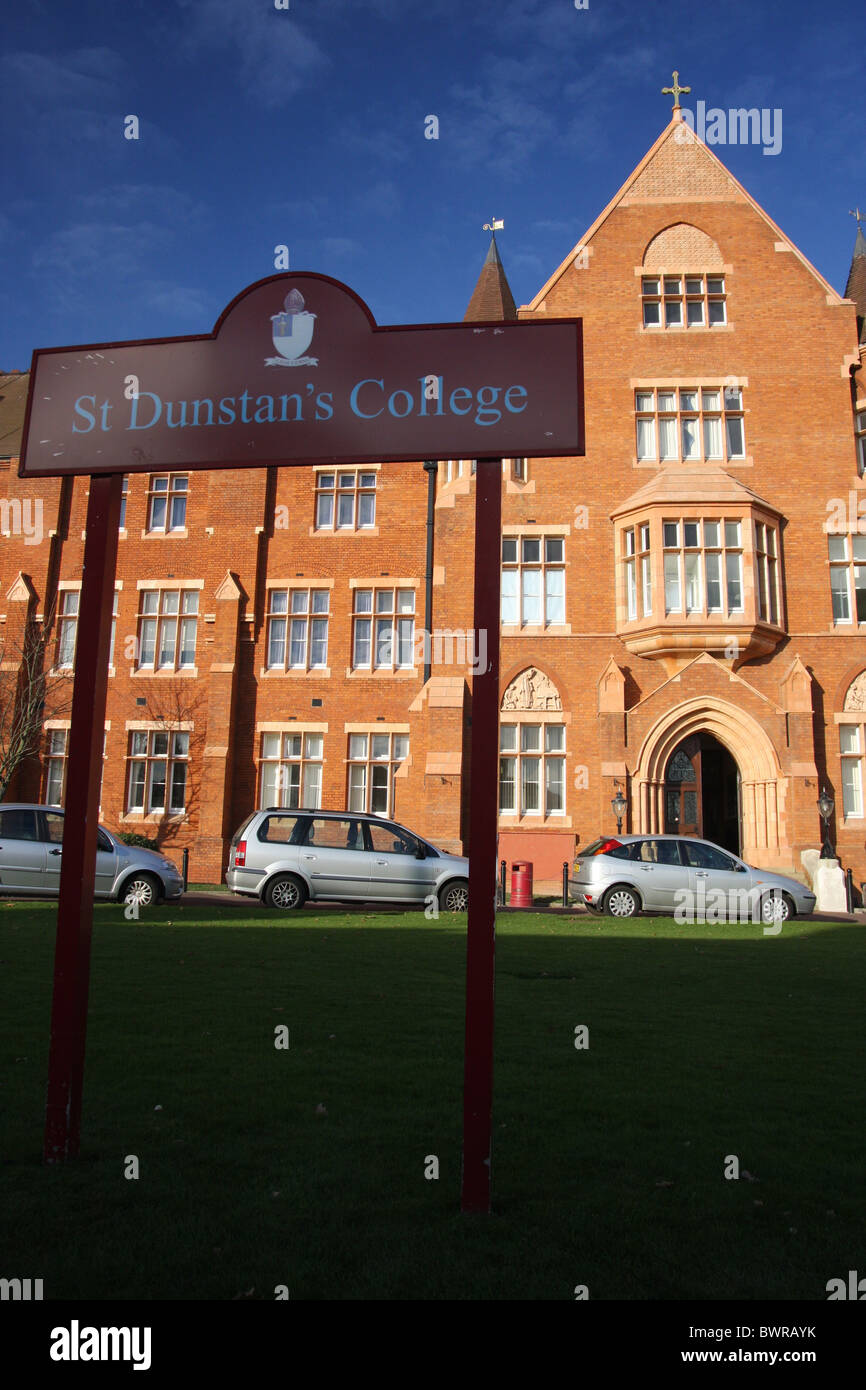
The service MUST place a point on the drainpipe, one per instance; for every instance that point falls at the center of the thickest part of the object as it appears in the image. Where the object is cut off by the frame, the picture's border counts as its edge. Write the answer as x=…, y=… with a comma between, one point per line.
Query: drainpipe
x=431, y=467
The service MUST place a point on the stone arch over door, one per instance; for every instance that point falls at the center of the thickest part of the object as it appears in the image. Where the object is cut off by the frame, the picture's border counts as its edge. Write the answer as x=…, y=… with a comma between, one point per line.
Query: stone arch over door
x=762, y=784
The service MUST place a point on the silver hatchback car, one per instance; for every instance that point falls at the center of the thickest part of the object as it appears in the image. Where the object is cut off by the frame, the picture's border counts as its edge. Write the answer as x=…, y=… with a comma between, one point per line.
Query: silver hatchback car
x=286, y=857
x=694, y=879
x=31, y=852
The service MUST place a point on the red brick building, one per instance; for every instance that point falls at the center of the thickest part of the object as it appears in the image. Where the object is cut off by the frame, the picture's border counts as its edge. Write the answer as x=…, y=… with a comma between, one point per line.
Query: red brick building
x=684, y=610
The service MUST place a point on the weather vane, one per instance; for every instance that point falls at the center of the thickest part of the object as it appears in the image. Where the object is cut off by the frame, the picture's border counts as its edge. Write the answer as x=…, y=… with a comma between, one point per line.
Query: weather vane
x=859, y=215
x=675, y=90
x=494, y=225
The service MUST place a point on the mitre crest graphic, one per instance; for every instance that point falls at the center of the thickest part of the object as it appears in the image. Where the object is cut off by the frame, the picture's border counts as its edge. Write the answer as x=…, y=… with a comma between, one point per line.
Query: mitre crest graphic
x=292, y=332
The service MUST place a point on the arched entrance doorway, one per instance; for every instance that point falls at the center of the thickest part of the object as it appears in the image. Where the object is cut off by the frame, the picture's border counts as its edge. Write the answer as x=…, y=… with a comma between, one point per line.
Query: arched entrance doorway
x=763, y=787
x=701, y=792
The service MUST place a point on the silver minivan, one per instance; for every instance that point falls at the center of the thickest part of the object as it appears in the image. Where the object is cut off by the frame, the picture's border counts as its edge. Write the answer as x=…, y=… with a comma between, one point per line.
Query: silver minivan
x=285, y=857
x=31, y=853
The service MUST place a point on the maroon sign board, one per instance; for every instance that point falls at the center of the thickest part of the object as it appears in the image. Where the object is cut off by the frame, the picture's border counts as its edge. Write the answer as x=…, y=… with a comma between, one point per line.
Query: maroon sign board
x=295, y=372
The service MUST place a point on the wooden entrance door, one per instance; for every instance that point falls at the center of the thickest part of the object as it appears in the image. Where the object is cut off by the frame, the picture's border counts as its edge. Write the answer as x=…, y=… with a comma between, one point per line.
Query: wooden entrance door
x=683, y=789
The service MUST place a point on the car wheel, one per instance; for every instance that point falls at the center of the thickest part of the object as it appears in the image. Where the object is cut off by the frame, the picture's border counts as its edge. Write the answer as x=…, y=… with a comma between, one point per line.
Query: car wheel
x=285, y=892
x=141, y=889
x=454, y=897
x=621, y=902
x=776, y=907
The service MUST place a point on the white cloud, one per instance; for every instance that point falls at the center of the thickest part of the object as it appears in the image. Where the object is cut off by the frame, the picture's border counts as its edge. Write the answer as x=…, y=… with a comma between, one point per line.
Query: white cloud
x=193, y=307
x=497, y=128
x=341, y=248
x=555, y=226
x=82, y=74
x=381, y=199
x=126, y=199
x=384, y=144
x=277, y=59
x=109, y=251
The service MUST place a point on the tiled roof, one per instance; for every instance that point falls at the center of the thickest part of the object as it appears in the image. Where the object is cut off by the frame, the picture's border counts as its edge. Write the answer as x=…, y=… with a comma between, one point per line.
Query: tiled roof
x=492, y=298
x=13, y=402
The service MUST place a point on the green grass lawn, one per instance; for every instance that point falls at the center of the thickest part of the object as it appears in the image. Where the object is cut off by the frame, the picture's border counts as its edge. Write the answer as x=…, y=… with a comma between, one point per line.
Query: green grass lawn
x=608, y=1163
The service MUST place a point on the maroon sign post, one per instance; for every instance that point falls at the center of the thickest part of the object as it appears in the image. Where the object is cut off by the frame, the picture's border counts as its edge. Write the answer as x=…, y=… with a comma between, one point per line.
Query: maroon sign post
x=484, y=783
x=78, y=867
x=295, y=372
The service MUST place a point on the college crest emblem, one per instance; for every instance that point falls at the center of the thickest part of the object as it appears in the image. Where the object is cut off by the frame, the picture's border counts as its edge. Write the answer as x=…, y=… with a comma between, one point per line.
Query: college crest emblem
x=292, y=332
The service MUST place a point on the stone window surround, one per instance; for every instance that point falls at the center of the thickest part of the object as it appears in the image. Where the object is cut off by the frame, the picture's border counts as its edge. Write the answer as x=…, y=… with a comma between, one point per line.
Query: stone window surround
x=64, y=725
x=395, y=770
x=856, y=717
x=698, y=416
x=853, y=627
x=63, y=586
x=286, y=726
x=683, y=383
x=536, y=820
x=535, y=629
x=184, y=672
x=148, y=726
x=300, y=581
x=164, y=532
x=320, y=531
x=381, y=581
x=462, y=477
x=643, y=273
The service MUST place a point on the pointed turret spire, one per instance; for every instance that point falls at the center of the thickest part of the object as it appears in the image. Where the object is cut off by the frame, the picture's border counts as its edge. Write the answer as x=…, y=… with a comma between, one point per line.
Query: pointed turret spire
x=856, y=286
x=492, y=298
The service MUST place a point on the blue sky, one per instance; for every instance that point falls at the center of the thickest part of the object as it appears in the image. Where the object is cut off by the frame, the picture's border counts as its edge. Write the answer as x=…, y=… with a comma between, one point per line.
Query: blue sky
x=305, y=127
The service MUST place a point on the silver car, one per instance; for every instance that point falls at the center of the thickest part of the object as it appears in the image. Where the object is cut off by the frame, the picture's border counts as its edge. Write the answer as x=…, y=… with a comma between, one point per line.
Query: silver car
x=286, y=857
x=695, y=880
x=31, y=852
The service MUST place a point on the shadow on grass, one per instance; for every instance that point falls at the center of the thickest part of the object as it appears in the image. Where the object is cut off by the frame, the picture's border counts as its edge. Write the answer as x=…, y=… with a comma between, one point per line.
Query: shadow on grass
x=306, y=1166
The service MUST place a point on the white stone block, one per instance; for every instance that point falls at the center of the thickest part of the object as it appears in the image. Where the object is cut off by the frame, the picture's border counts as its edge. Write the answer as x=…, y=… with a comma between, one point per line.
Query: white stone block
x=829, y=887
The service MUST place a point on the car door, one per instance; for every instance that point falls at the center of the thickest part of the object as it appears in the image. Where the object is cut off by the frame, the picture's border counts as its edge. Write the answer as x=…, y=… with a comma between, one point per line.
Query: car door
x=106, y=856
x=666, y=874
x=719, y=883
x=22, y=852
x=397, y=872
x=334, y=857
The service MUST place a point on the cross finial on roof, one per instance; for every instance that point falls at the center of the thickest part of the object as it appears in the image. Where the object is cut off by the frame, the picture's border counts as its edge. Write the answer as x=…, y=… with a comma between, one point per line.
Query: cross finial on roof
x=675, y=90
x=858, y=214
x=494, y=225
